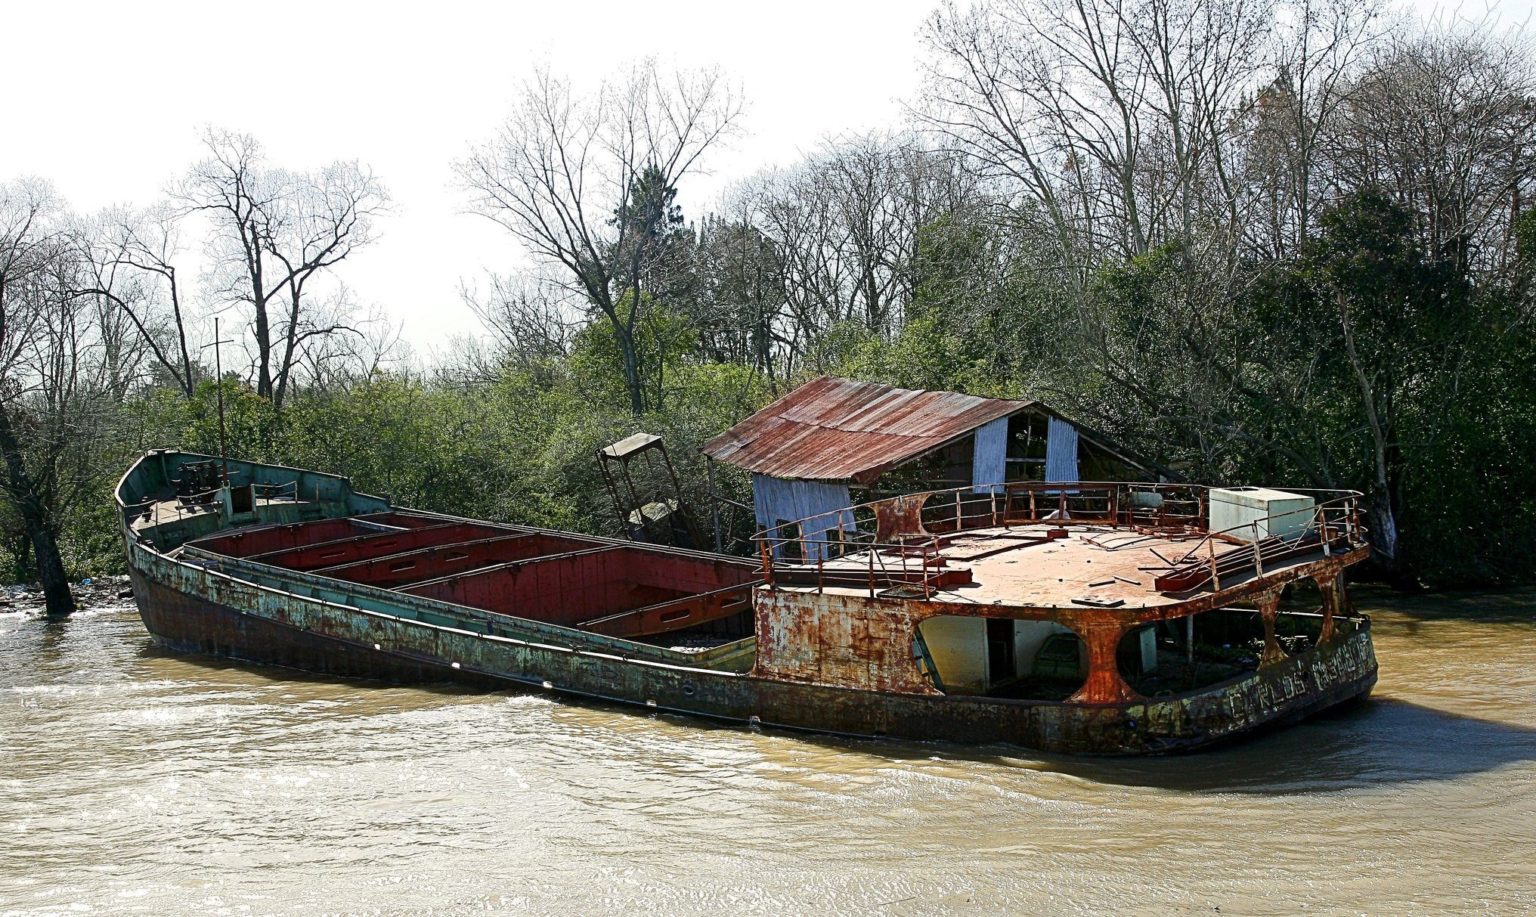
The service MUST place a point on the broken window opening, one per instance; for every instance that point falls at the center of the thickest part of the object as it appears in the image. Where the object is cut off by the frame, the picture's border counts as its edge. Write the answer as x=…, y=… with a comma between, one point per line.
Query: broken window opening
x=1001, y=657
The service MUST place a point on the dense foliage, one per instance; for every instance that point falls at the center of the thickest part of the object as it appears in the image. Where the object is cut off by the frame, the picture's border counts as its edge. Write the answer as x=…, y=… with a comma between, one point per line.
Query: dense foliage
x=1299, y=252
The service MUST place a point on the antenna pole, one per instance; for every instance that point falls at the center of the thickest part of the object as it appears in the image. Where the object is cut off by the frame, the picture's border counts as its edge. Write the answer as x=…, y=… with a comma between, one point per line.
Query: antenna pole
x=218, y=368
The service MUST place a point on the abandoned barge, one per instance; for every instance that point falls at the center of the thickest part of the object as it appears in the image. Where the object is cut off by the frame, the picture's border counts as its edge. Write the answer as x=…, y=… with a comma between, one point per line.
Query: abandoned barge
x=1110, y=618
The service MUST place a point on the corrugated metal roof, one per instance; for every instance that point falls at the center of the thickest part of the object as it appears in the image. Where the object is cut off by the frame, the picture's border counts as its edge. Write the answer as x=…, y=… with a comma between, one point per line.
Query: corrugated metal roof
x=836, y=429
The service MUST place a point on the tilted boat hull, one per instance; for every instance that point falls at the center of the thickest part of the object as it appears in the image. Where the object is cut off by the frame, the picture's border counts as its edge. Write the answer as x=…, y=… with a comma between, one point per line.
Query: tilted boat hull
x=292, y=568
x=188, y=608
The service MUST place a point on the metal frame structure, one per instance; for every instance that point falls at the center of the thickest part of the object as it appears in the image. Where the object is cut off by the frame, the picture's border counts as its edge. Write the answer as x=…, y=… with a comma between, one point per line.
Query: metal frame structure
x=621, y=454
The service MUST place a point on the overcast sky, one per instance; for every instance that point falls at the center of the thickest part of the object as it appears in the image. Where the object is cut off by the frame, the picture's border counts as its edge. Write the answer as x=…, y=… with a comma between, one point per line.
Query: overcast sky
x=108, y=100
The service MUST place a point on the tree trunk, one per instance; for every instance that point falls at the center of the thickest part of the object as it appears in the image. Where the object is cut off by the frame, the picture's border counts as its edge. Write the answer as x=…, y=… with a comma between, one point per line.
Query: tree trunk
x=50, y=566
x=21, y=550
x=263, y=352
x=1383, y=529
x=1382, y=514
x=188, y=384
x=632, y=372
x=631, y=354
x=290, y=344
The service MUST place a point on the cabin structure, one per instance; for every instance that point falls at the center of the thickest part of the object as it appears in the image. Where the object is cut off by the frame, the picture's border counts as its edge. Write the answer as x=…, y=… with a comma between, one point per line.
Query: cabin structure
x=810, y=450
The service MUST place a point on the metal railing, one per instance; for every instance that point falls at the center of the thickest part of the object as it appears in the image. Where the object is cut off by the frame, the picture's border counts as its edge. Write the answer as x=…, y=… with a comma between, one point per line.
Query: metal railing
x=277, y=491
x=203, y=502
x=896, y=542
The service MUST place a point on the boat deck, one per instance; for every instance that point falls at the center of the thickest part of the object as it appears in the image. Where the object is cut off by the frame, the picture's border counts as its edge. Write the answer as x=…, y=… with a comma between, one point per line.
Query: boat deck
x=171, y=510
x=1037, y=566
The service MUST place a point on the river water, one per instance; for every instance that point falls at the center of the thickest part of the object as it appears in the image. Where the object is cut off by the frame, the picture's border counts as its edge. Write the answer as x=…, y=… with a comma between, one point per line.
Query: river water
x=136, y=782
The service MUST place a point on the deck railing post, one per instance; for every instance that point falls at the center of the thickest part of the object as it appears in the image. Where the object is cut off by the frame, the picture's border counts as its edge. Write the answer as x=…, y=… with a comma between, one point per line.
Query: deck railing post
x=1215, y=577
x=766, y=552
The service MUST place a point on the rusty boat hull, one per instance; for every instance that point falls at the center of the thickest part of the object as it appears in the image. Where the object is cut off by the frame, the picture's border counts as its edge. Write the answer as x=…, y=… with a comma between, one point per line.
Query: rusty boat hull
x=193, y=600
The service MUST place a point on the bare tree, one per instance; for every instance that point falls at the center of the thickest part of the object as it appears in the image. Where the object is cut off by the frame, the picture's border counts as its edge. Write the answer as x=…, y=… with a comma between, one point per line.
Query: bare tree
x=585, y=182
x=738, y=302
x=530, y=317
x=132, y=259
x=1320, y=47
x=1115, y=117
x=370, y=344
x=277, y=236
x=841, y=234
x=53, y=389
x=1445, y=122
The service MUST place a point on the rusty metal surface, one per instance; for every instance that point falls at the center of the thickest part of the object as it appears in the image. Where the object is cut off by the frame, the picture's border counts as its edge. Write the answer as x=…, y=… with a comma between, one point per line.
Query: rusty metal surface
x=373, y=544
x=824, y=661
x=264, y=539
x=1101, y=545
x=664, y=617
x=439, y=560
x=189, y=610
x=837, y=429
x=900, y=519
x=845, y=637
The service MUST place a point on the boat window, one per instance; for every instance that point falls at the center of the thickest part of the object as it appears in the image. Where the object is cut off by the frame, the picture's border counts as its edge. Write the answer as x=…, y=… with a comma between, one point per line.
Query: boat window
x=1026, y=447
x=789, y=547
x=242, y=499
x=1189, y=653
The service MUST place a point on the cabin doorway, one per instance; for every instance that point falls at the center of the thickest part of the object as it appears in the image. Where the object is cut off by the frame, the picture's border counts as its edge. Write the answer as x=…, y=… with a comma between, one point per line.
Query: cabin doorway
x=1001, y=665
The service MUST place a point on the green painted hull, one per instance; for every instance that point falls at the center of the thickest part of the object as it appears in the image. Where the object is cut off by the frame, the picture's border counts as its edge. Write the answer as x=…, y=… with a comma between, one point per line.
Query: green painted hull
x=245, y=610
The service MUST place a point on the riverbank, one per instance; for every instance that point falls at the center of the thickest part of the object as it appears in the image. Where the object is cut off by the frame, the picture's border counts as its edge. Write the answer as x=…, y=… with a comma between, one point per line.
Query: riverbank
x=93, y=592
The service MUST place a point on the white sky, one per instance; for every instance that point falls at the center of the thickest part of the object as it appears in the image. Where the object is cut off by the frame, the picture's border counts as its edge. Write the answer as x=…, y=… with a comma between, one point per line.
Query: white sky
x=107, y=100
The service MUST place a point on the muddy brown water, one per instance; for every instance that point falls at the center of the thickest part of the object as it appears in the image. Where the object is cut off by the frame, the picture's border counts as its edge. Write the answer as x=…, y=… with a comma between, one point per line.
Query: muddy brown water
x=136, y=782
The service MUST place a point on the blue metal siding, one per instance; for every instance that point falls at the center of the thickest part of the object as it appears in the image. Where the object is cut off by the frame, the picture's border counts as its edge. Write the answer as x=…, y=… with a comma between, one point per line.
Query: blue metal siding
x=988, y=462
x=1061, y=451
x=775, y=499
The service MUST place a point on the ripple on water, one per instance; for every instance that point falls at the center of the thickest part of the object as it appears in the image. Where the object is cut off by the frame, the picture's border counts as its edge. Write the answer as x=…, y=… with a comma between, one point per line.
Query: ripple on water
x=132, y=781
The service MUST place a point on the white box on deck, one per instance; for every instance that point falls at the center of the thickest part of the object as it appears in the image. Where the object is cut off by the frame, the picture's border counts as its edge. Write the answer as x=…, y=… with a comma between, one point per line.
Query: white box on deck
x=1252, y=513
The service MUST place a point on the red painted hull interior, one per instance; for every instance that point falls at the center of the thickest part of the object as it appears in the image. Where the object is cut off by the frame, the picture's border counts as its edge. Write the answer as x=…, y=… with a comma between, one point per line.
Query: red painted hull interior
x=623, y=590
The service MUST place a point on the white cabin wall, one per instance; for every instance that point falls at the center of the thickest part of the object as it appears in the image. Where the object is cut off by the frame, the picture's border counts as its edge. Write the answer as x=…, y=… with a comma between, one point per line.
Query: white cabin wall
x=1149, y=649
x=958, y=646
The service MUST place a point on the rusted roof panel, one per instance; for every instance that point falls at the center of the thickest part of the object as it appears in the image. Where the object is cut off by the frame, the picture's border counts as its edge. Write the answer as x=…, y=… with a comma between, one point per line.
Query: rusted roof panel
x=836, y=429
